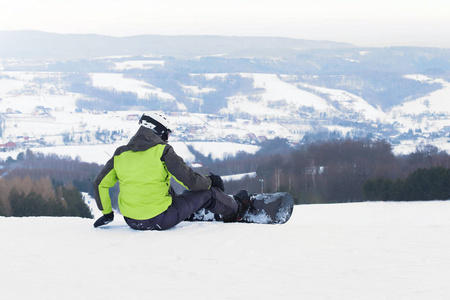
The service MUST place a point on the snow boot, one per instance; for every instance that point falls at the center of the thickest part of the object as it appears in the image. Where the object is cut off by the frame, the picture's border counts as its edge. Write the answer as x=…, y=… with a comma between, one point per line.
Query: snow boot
x=244, y=203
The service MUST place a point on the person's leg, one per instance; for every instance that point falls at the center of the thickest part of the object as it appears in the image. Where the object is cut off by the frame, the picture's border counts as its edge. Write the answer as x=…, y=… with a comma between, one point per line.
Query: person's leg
x=185, y=205
x=222, y=203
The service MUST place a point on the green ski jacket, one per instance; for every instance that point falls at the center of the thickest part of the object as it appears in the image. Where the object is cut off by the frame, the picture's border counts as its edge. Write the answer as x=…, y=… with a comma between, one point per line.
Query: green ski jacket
x=143, y=168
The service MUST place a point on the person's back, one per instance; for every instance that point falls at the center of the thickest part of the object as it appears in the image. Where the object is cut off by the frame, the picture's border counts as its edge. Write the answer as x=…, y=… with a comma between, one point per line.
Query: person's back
x=143, y=193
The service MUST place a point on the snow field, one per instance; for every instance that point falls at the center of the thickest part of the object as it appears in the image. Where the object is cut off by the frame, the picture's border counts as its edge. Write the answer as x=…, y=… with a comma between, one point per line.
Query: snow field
x=21, y=91
x=275, y=91
x=238, y=176
x=117, y=81
x=350, y=102
x=436, y=103
x=340, y=251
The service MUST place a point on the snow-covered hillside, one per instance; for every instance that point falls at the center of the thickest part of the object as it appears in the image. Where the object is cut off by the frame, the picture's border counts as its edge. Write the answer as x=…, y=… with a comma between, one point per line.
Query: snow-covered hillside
x=341, y=251
x=117, y=81
x=278, y=99
x=436, y=102
x=428, y=113
x=349, y=103
x=43, y=117
x=38, y=111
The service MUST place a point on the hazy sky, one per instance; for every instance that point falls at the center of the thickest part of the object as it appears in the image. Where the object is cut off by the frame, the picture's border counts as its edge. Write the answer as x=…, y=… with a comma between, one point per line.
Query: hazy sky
x=361, y=22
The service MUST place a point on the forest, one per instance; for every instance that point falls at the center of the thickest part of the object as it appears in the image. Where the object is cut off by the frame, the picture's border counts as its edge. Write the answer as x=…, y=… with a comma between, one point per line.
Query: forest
x=341, y=171
x=333, y=171
x=45, y=185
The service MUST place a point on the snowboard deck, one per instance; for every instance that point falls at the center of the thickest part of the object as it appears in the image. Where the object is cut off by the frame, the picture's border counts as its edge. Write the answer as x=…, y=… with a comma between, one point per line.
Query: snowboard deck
x=267, y=208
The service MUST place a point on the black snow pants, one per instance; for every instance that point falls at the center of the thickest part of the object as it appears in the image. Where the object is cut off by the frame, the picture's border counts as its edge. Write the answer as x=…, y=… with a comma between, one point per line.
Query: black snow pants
x=185, y=205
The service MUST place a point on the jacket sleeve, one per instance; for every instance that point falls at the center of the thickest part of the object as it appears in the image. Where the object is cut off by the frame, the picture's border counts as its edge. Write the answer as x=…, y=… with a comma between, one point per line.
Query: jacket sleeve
x=105, y=180
x=182, y=172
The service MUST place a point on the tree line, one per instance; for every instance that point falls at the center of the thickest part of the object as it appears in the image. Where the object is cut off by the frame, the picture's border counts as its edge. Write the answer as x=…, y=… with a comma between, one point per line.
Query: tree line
x=45, y=185
x=421, y=184
x=341, y=171
x=333, y=171
x=21, y=197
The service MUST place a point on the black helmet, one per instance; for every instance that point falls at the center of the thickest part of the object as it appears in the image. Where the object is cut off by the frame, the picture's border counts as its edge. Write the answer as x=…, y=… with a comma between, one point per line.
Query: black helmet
x=156, y=122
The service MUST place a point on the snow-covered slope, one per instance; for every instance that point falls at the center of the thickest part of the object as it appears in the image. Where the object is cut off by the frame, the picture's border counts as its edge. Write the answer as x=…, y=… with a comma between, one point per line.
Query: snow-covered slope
x=428, y=113
x=340, y=251
x=118, y=82
x=37, y=106
x=437, y=102
x=277, y=99
x=349, y=103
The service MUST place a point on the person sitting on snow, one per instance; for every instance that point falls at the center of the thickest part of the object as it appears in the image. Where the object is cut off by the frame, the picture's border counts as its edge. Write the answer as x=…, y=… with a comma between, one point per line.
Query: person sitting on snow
x=144, y=167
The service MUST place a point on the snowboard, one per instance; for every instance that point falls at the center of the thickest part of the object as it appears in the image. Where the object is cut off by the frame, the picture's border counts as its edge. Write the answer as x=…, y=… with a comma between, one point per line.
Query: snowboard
x=267, y=208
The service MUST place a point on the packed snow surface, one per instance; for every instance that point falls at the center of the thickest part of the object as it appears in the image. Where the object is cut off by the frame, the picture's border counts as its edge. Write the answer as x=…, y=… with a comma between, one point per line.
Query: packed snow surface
x=371, y=250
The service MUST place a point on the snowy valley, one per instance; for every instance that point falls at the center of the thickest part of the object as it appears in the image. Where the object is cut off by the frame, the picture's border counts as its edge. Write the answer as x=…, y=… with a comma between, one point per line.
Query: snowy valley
x=39, y=111
x=220, y=100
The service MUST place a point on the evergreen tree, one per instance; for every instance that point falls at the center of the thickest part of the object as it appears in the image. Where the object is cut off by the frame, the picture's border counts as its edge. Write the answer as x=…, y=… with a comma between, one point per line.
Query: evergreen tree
x=2, y=209
x=421, y=184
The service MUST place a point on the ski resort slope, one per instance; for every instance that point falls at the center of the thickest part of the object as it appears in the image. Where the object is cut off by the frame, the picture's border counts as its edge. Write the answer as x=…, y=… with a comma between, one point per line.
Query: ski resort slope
x=341, y=251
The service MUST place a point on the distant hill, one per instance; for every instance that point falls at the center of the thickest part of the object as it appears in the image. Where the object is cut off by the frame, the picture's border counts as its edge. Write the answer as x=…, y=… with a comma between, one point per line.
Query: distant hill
x=42, y=45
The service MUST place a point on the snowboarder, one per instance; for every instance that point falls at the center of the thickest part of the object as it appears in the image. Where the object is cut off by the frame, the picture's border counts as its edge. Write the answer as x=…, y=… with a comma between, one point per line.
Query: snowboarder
x=144, y=167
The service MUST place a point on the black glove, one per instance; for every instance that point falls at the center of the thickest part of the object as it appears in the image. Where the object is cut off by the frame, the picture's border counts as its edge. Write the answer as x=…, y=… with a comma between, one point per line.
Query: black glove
x=105, y=219
x=216, y=182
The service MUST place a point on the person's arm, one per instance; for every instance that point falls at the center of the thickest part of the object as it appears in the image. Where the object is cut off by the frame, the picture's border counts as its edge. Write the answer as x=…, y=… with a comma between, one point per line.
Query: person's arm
x=105, y=180
x=182, y=172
